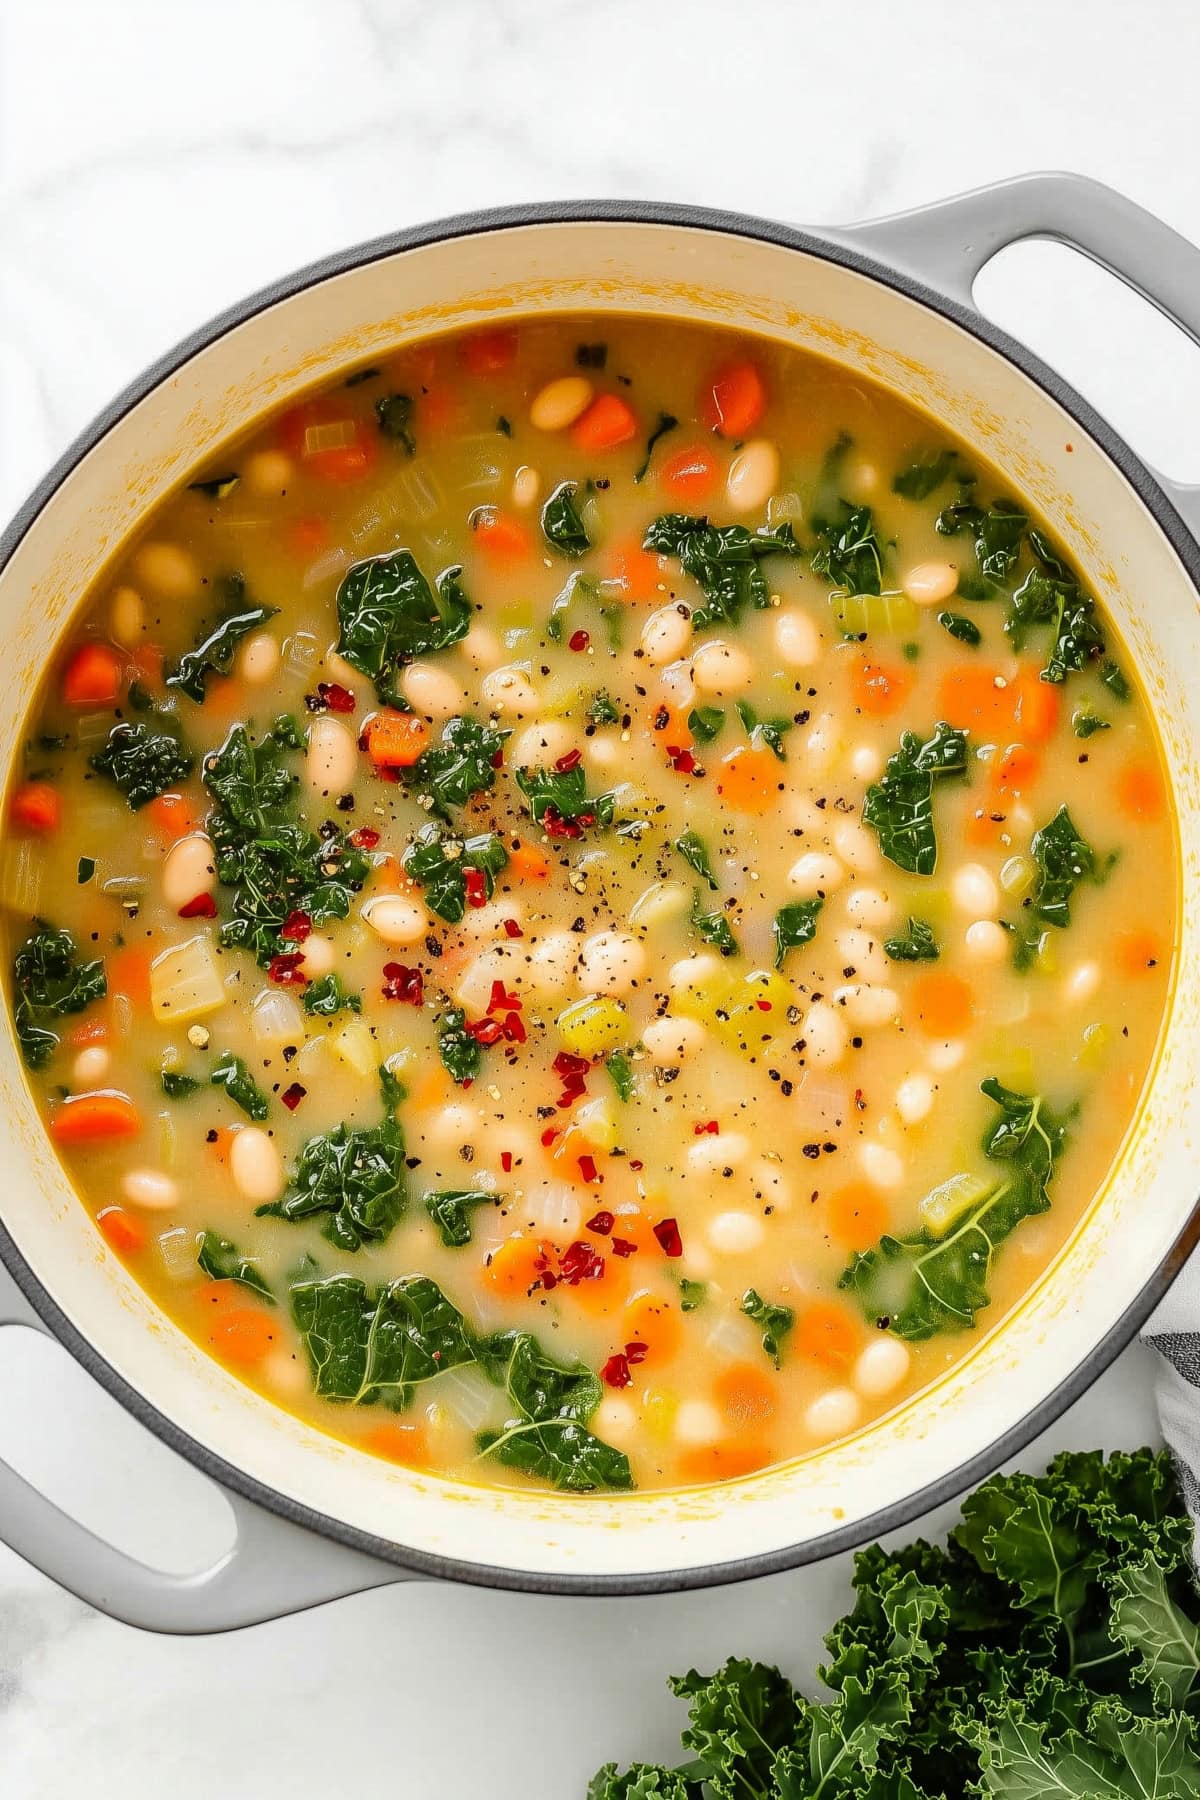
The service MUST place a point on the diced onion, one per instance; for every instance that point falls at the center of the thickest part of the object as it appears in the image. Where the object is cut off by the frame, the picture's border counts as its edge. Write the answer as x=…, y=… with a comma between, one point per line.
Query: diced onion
x=277, y=1018
x=300, y=653
x=553, y=1208
x=177, y=1252
x=334, y=435
x=465, y=1396
x=185, y=982
x=783, y=508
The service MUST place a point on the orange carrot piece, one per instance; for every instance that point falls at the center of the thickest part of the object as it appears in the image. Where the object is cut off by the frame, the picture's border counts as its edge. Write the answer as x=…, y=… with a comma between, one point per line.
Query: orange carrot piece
x=489, y=352
x=243, y=1335
x=528, y=863
x=735, y=401
x=971, y=699
x=344, y=463
x=1138, y=952
x=219, y=1144
x=747, y=1393
x=512, y=1268
x=406, y=1444
x=721, y=1462
x=879, y=688
x=306, y=537
x=1037, y=705
x=172, y=815
x=128, y=973
x=690, y=474
x=502, y=538
x=95, y=1118
x=1140, y=792
x=608, y=421
x=121, y=1231
x=394, y=739
x=92, y=676
x=637, y=571
x=944, y=1004
x=858, y=1216
x=655, y=1321
x=749, y=780
x=36, y=807
x=1016, y=770
x=826, y=1334
x=88, y=1031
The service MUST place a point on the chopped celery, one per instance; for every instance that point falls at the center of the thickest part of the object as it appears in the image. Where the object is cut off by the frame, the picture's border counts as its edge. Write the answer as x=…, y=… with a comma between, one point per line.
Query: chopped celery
x=593, y=1026
x=949, y=1200
x=865, y=615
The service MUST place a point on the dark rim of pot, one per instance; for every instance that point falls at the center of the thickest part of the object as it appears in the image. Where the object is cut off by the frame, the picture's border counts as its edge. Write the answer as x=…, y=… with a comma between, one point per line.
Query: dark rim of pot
x=948, y=1486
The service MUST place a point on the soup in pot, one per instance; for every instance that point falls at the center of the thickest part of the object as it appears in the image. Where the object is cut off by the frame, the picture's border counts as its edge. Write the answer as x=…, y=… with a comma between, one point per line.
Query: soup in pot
x=590, y=904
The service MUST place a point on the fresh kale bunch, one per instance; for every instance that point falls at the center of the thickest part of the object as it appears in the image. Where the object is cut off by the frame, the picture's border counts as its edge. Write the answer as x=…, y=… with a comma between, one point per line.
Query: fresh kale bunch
x=1051, y=1651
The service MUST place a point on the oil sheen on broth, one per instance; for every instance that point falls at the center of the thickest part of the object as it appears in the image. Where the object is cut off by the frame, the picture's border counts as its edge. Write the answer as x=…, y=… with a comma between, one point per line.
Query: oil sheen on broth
x=578, y=904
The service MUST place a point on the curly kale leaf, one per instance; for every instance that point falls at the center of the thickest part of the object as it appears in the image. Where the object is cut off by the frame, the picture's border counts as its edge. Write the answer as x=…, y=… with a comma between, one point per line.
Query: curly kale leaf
x=143, y=760
x=460, y=765
x=49, y=982
x=215, y=652
x=440, y=862
x=388, y=614
x=899, y=807
x=723, y=560
x=353, y=1178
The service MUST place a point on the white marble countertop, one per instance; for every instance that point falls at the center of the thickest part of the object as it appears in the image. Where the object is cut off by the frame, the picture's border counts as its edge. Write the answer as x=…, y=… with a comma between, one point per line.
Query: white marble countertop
x=155, y=164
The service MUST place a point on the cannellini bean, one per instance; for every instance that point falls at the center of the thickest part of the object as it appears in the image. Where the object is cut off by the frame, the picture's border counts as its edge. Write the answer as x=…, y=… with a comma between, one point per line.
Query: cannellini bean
x=753, y=476
x=720, y=668
x=126, y=616
x=771, y=1185
x=604, y=749
x=975, y=891
x=612, y=962
x=449, y=1127
x=481, y=647
x=553, y=961
x=697, y=1422
x=510, y=691
x=914, y=1098
x=945, y=1056
x=560, y=403
x=863, y=952
x=883, y=1167
x=866, y=763
x=821, y=744
x=1082, y=983
x=835, y=1413
x=255, y=1166
x=319, y=955
x=540, y=744
x=396, y=918
x=267, y=472
x=697, y=971
x=277, y=1018
x=824, y=1034
x=430, y=691
x=667, y=634
x=339, y=670
x=797, y=639
x=286, y=1373
x=474, y=981
x=929, y=583
x=615, y=1420
x=868, y=906
x=167, y=570
x=526, y=485
x=488, y=920
x=716, y=1152
x=669, y=1041
x=331, y=760
x=189, y=870
x=817, y=872
x=149, y=1188
x=986, y=941
x=881, y=1367
x=856, y=847
x=678, y=688
x=259, y=658
x=860, y=479
x=867, y=1007
x=91, y=1066
x=733, y=1233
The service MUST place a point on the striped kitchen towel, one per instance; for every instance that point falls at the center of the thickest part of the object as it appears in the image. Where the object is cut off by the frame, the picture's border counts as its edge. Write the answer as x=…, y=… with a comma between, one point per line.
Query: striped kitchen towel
x=1173, y=1329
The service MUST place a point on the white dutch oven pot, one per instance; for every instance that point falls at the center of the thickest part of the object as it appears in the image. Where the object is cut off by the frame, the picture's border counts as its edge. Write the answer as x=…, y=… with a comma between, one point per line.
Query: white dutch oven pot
x=892, y=300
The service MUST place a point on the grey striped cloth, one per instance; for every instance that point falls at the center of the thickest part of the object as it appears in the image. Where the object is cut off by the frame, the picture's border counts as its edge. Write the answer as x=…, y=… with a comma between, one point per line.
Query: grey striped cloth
x=1173, y=1329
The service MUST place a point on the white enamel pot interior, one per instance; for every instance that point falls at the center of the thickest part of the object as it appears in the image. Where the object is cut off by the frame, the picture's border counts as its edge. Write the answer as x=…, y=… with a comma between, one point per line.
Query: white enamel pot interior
x=709, y=268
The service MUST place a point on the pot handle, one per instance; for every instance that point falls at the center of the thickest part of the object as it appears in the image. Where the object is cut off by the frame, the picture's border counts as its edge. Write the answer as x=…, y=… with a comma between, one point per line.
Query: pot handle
x=945, y=246
x=274, y=1568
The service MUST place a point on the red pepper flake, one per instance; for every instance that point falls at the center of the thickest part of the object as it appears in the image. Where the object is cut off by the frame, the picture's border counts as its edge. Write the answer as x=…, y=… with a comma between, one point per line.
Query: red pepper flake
x=637, y=1352
x=570, y=761
x=578, y=640
x=682, y=761
x=337, y=698
x=486, y=1031
x=587, y=1168
x=292, y=1096
x=567, y=1063
x=636, y=1165
x=622, y=1247
x=615, y=1373
x=548, y=1136
x=763, y=1005
x=580, y=1261
x=601, y=1223
x=498, y=758
x=512, y=929
x=707, y=1127
x=403, y=984
x=365, y=838
x=572, y=1069
x=667, y=1233
x=555, y=826
x=475, y=882
x=202, y=907
x=514, y=1028
x=296, y=927
x=506, y=1161
x=503, y=1002
x=285, y=969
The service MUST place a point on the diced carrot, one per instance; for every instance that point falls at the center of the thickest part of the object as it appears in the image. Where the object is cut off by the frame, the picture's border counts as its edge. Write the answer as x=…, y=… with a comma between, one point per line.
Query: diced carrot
x=943, y=1003
x=879, y=688
x=344, y=463
x=488, y=352
x=670, y=723
x=722, y=1462
x=394, y=739
x=826, y=1334
x=747, y=1393
x=601, y=1298
x=339, y=462
x=146, y=664
x=652, y=1320
x=858, y=1216
x=1138, y=952
x=88, y=1031
x=512, y=1268
x=1016, y=770
x=243, y=1334
x=439, y=411
x=120, y=1229
x=306, y=537
x=128, y=973
x=638, y=571
x=608, y=421
x=502, y=538
x=92, y=676
x=975, y=697
x=749, y=779
x=429, y=1090
x=95, y=1118
x=172, y=815
x=405, y=1444
x=735, y=401
x=690, y=474
x=1037, y=705
x=1140, y=791
x=633, y=1227
x=36, y=807
x=218, y=1145
x=528, y=863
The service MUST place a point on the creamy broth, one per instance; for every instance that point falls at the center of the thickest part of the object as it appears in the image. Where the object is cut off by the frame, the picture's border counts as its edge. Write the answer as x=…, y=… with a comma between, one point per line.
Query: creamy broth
x=762, y=784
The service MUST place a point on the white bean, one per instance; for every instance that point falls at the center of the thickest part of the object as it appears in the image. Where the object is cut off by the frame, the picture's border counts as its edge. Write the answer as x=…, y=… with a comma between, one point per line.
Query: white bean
x=526, y=485
x=975, y=891
x=986, y=941
x=821, y=744
x=331, y=761
x=753, y=476
x=734, y=1233
x=481, y=647
x=149, y=1188
x=868, y=906
x=560, y=403
x=450, y=1127
x=259, y=658
x=856, y=847
x=860, y=479
x=604, y=749
x=91, y=1066
x=797, y=640
x=474, y=982
x=553, y=961
x=697, y=972
x=715, y=1152
x=612, y=962
x=929, y=583
x=824, y=1034
x=720, y=668
x=339, y=670
x=883, y=1167
x=489, y=920
x=267, y=473
x=510, y=691
x=1082, y=983
x=669, y=1041
x=189, y=870
x=167, y=570
x=914, y=1098
x=881, y=1367
x=833, y=1415
x=867, y=1007
x=667, y=634
x=126, y=616
x=863, y=952
x=255, y=1166
x=286, y=1372
x=866, y=762
x=431, y=691
x=817, y=872
x=396, y=918
x=537, y=746
x=697, y=1422
x=615, y=1420
x=319, y=955
x=946, y=1055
